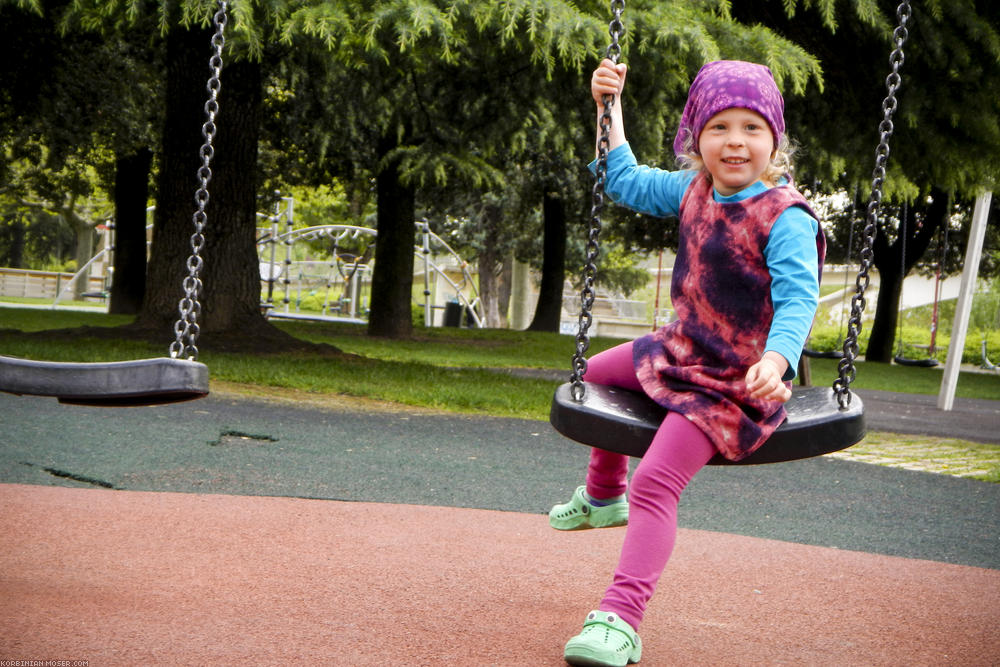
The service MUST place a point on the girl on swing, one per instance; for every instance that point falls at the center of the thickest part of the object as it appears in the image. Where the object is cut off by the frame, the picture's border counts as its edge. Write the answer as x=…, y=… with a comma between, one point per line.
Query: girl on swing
x=745, y=288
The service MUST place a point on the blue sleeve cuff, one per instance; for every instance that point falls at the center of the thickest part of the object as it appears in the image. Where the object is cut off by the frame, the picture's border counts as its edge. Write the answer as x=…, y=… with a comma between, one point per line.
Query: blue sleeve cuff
x=792, y=357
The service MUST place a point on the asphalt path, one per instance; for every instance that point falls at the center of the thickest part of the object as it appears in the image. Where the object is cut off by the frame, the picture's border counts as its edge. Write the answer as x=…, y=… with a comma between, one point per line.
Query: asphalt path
x=972, y=419
x=241, y=446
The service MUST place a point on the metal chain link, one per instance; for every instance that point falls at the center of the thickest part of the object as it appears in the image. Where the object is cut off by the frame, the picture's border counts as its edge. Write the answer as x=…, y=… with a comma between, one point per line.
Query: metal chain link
x=186, y=328
x=616, y=29
x=846, y=367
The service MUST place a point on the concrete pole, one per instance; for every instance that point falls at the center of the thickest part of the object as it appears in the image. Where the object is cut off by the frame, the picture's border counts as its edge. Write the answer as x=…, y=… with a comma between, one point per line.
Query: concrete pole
x=960, y=327
x=520, y=295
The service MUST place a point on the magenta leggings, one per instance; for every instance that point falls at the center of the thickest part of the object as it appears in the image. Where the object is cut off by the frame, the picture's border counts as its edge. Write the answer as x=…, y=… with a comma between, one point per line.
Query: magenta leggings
x=678, y=451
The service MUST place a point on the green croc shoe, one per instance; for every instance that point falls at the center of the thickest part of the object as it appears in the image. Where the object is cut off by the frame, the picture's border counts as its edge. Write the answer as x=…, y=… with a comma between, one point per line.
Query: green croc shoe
x=579, y=514
x=606, y=641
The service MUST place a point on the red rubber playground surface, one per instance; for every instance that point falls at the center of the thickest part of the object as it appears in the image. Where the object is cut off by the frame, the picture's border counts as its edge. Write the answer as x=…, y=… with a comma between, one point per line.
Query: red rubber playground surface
x=144, y=578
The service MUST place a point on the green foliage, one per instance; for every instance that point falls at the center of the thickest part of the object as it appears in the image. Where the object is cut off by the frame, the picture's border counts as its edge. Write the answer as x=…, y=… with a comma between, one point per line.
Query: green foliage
x=424, y=169
x=327, y=204
x=325, y=22
x=76, y=101
x=27, y=5
x=618, y=272
x=46, y=199
x=417, y=315
x=317, y=301
x=33, y=239
x=946, y=125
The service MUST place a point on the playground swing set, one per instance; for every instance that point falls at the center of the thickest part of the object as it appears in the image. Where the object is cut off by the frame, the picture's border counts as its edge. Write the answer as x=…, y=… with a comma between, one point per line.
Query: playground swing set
x=820, y=419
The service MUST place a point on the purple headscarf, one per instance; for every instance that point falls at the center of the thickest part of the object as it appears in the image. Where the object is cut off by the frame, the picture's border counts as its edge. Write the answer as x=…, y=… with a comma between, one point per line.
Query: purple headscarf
x=725, y=84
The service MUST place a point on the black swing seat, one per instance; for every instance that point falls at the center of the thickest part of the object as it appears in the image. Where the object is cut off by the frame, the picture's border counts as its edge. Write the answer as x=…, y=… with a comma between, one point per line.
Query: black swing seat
x=623, y=421
x=111, y=384
x=929, y=362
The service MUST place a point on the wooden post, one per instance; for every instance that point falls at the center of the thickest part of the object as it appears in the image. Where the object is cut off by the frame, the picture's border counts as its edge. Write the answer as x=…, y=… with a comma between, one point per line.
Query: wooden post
x=805, y=374
x=960, y=327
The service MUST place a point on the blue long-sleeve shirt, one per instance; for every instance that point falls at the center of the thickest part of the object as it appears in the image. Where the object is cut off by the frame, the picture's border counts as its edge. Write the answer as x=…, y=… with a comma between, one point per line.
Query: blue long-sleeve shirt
x=790, y=252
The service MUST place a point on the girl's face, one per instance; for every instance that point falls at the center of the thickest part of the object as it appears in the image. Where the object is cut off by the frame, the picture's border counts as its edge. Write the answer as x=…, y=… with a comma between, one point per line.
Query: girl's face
x=736, y=146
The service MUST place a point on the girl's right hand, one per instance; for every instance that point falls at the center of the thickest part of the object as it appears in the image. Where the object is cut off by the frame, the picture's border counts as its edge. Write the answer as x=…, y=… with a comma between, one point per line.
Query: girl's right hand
x=608, y=79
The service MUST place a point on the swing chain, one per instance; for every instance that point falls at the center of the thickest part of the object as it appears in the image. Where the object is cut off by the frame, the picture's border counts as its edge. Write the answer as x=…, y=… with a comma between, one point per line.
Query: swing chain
x=846, y=367
x=616, y=29
x=186, y=328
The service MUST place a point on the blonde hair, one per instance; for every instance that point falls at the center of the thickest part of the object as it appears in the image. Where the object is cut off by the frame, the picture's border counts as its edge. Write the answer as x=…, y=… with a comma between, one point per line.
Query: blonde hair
x=781, y=164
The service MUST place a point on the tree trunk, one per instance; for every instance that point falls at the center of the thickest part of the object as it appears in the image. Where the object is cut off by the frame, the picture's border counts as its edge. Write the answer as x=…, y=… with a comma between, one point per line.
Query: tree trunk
x=490, y=269
x=14, y=257
x=883, y=333
x=392, y=278
x=131, y=197
x=893, y=269
x=548, y=312
x=230, y=298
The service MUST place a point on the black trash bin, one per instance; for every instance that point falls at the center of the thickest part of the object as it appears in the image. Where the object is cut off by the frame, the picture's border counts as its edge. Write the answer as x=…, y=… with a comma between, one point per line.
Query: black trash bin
x=453, y=314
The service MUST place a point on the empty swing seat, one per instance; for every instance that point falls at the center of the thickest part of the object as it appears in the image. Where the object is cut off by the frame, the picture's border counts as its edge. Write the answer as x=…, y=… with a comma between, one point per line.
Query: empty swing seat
x=113, y=384
x=623, y=421
x=929, y=362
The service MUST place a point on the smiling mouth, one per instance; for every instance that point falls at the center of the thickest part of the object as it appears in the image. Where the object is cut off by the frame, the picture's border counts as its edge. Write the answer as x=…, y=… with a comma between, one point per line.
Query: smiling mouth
x=735, y=160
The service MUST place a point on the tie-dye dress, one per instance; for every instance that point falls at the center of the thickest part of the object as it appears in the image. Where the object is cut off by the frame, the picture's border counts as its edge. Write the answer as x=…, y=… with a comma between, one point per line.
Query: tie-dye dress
x=721, y=293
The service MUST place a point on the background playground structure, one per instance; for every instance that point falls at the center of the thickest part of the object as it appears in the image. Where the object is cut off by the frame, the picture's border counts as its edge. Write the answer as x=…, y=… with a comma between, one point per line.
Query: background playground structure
x=324, y=272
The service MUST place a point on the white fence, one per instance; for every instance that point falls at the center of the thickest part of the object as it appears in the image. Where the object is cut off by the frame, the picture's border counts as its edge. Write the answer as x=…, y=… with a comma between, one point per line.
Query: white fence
x=27, y=283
